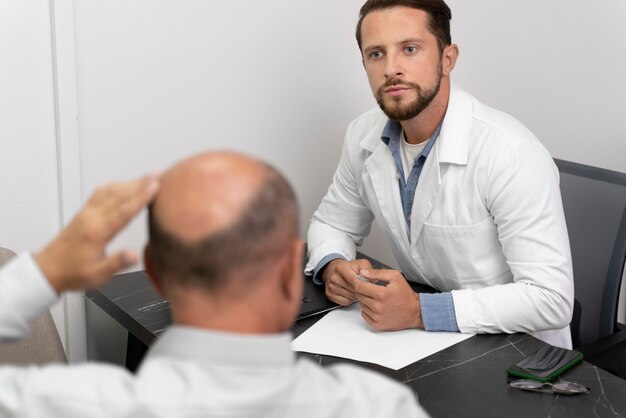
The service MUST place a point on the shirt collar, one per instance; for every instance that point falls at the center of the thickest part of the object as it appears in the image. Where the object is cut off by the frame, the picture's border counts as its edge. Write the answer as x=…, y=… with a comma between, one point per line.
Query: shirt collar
x=391, y=131
x=214, y=347
x=392, y=135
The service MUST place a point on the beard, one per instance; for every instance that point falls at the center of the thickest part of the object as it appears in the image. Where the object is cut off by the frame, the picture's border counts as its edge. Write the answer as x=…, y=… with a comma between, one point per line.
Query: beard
x=398, y=111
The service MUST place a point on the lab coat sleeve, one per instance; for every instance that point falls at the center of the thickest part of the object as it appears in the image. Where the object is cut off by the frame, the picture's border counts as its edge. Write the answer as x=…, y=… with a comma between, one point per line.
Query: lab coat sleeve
x=343, y=219
x=521, y=191
x=52, y=390
x=25, y=294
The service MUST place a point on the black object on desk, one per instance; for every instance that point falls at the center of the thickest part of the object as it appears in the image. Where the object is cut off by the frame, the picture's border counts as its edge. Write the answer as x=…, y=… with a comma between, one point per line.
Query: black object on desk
x=468, y=379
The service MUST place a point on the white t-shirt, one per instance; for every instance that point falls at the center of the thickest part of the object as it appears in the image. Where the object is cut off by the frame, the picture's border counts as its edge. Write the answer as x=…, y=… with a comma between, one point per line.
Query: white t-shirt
x=409, y=153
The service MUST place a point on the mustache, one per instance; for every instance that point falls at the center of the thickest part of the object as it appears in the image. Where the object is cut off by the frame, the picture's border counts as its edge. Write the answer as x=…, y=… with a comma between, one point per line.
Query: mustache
x=396, y=81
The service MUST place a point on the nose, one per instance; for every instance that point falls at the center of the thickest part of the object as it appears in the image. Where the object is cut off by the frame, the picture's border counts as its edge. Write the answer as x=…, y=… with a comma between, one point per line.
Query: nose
x=393, y=66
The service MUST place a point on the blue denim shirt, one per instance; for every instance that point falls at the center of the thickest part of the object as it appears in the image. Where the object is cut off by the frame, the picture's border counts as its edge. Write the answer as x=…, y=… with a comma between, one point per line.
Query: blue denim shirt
x=392, y=137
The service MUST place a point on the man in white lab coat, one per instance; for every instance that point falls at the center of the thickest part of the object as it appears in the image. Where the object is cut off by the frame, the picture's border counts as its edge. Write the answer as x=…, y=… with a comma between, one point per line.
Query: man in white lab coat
x=466, y=195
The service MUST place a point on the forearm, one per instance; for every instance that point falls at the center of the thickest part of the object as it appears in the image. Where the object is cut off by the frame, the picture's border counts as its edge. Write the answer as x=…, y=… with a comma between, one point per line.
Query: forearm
x=343, y=218
x=522, y=195
x=323, y=239
x=510, y=308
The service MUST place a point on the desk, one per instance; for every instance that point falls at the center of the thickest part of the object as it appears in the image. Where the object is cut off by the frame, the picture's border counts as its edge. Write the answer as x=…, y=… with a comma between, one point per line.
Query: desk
x=467, y=379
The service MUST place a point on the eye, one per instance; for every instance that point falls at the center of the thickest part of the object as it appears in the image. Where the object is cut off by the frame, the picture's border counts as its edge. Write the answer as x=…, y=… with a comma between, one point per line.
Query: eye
x=410, y=49
x=375, y=54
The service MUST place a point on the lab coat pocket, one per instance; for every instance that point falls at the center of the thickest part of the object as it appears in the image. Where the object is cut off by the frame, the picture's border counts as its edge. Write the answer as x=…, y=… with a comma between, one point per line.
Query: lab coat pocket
x=463, y=257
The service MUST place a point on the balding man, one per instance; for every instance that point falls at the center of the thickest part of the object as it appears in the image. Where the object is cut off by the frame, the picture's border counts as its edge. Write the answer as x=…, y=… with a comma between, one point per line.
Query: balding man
x=224, y=250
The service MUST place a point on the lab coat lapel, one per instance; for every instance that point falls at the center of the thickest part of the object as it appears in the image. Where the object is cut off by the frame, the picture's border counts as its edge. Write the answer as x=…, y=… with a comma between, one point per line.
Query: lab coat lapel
x=425, y=193
x=382, y=171
x=452, y=147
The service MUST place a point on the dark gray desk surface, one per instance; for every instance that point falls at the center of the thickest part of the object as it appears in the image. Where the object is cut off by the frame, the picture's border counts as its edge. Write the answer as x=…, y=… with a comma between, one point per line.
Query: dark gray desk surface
x=466, y=380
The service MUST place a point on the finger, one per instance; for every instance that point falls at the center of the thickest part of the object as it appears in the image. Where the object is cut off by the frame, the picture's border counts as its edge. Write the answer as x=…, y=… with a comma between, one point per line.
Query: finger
x=365, y=298
x=367, y=291
x=384, y=275
x=344, y=279
x=114, y=263
x=363, y=263
x=346, y=273
x=370, y=321
x=334, y=289
x=340, y=300
x=123, y=202
x=372, y=305
x=374, y=321
x=110, y=196
x=140, y=193
x=136, y=194
x=368, y=310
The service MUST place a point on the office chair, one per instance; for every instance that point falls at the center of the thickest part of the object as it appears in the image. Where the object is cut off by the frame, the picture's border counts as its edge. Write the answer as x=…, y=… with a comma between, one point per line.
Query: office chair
x=43, y=345
x=594, y=201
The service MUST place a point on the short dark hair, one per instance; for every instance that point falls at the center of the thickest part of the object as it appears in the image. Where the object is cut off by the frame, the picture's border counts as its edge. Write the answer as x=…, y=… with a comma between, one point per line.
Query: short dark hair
x=261, y=234
x=439, y=16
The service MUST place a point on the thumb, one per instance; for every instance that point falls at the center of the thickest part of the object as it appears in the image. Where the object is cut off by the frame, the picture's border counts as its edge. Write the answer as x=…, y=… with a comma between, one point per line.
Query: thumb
x=363, y=263
x=386, y=275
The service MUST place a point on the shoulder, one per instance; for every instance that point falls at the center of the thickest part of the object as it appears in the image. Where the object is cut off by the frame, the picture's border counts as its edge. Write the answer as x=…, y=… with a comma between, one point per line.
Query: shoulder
x=362, y=138
x=86, y=378
x=368, y=392
x=503, y=151
x=369, y=120
x=503, y=132
x=366, y=129
x=501, y=124
x=86, y=387
x=496, y=138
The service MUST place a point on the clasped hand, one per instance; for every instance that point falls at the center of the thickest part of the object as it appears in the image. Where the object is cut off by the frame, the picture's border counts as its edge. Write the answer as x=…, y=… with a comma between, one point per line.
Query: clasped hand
x=385, y=308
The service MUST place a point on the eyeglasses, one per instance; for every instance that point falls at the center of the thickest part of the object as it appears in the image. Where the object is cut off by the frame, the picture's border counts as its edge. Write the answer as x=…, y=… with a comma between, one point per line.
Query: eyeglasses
x=563, y=388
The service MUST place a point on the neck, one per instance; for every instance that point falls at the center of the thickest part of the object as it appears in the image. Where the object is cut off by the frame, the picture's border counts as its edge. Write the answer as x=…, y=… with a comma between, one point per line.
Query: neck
x=235, y=315
x=422, y=126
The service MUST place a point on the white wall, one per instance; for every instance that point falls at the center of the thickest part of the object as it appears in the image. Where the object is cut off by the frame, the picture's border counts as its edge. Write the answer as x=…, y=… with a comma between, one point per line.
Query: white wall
x=158, y=81
x=28, y=172
x=559, y=66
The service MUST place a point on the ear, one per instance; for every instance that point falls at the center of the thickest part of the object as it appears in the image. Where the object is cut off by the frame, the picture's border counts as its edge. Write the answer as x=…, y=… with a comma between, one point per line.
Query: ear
x=291, y=273
x=448, y=58
x=149, y=265
x=292, y=283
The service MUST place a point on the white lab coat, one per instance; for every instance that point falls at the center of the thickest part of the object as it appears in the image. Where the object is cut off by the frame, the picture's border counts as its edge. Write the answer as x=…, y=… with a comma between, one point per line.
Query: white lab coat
x=487, y=221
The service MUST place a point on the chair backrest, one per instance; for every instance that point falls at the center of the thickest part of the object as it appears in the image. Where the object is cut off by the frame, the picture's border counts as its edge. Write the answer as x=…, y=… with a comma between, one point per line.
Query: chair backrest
x=5, y=255
x=43, y=345
x=594, y=201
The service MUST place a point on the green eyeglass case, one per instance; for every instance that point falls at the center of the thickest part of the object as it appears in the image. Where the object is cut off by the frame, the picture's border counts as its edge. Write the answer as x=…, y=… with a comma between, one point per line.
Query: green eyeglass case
x=545, y=364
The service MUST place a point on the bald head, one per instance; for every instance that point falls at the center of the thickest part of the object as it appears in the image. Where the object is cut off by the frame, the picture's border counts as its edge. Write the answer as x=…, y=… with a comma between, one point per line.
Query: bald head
x=217, y=216
x=208, y=192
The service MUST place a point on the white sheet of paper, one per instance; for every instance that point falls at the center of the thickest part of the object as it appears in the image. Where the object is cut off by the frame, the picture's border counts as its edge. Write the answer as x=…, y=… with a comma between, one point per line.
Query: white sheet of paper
x=343, y=333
